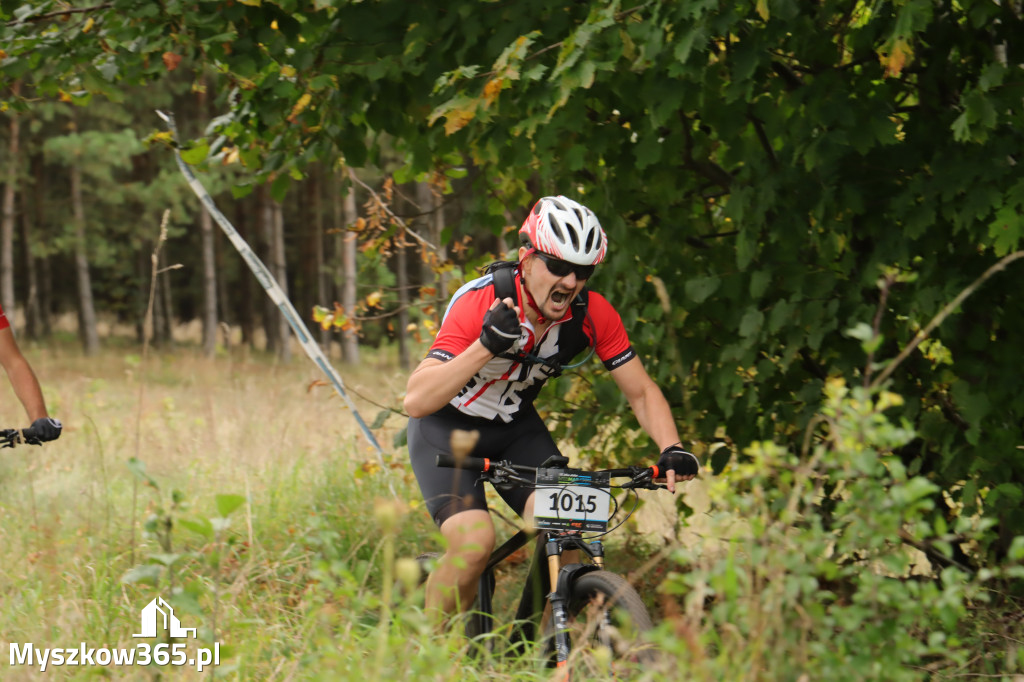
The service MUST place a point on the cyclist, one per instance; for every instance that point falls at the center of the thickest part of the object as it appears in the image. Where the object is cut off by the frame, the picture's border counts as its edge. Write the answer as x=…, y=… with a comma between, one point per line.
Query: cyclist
x=25, y=384
x=488, y=362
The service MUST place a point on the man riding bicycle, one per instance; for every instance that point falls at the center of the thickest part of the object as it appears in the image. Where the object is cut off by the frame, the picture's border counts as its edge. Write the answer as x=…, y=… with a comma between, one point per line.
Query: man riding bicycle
x=487, y=364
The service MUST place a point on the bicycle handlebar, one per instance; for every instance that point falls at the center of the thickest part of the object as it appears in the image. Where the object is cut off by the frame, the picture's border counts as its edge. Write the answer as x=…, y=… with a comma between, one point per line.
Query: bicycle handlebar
x=11, y=437
x=640, y=477
x=467, y=463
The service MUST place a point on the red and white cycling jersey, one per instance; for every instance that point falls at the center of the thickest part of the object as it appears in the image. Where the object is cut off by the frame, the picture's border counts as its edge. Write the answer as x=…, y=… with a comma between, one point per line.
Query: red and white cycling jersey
x=4, y=322
x=503, y=386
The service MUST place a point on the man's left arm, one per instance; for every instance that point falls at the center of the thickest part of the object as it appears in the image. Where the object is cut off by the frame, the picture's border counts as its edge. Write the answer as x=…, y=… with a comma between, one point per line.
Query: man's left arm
x=651, y=410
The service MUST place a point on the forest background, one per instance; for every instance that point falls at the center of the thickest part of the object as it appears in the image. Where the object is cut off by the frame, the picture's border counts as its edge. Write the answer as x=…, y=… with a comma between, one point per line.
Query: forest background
x=815, y=212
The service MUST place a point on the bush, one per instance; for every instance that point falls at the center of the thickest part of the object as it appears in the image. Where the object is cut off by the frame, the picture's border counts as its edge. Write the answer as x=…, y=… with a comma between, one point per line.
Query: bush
x=813, y=568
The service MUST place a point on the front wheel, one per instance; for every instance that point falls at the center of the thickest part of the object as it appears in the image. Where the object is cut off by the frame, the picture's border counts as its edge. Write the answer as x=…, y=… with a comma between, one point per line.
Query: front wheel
x=607, y=623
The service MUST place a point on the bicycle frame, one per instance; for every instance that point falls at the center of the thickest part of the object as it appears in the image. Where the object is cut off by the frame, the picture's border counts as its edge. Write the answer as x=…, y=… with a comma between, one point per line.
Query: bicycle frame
x=548, y=579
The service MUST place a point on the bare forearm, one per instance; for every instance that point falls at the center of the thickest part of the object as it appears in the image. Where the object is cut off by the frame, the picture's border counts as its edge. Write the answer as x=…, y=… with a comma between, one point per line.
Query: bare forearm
x=434, y=383
x=27, y=388
x=655, y=416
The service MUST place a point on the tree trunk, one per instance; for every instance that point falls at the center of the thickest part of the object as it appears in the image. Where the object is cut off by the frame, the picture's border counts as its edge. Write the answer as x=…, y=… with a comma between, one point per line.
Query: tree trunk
x=322, y=282
x=225, y=311
x=265, y=220
x=280, y=270
x=8, y=219
x=246, y=309
x=144, y=272
x=46, y=295
x=337, y=269
x=350, y=340
x=207, y=240
x=86, y=310
x=209, y=284
x=37, y=309
x=32, y=326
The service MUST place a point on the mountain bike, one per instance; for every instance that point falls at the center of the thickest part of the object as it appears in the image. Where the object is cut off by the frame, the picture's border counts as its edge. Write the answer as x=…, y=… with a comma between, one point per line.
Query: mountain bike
x=12, y=437
x=597, y=620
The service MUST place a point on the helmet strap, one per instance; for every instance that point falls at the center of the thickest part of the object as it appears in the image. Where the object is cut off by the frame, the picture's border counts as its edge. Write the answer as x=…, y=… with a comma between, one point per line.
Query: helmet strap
x=530, y=300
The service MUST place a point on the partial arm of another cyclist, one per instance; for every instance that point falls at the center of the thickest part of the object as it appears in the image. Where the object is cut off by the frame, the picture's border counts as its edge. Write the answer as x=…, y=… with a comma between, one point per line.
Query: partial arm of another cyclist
x=26, y=386
x=655, y=416
x=434, y=382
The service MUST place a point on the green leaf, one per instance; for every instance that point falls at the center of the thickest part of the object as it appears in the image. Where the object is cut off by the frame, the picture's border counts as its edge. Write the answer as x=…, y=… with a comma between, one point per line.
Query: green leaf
x=1006, y=230
x=138, y=469
x=382, y=417
x=759, y=283
x=751, y=323
x=198, y=526
x=1017, y=549
x=149, y=573
x=195, y=155
x=700, y=288
x=166, y=559
x=401, y=438
x=228, y=503
x=1005, y=495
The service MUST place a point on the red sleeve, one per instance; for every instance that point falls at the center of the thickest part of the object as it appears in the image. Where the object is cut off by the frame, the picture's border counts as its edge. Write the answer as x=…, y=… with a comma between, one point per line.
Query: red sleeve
x=605, y=326
x=462, y=322
x=4, y=322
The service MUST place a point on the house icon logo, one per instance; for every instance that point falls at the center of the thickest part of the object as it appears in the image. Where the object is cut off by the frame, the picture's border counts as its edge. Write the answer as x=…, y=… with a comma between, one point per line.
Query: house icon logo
x=158, y=615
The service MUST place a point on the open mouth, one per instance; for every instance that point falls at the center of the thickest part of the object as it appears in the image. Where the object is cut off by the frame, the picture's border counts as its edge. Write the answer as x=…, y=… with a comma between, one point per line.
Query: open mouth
x=559, y=297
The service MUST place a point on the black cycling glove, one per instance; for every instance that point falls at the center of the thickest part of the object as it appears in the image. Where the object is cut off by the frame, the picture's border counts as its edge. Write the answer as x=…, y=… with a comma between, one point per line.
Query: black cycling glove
x=46, y=428
x=501, y=329
x=676, y=459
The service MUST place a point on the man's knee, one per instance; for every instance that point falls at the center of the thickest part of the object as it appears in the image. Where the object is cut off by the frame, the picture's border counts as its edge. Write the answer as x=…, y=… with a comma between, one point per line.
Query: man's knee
x=470, y=537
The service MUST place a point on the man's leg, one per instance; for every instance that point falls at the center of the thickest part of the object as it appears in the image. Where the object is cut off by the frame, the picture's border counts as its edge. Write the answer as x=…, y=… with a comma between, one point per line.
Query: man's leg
x=469, y=536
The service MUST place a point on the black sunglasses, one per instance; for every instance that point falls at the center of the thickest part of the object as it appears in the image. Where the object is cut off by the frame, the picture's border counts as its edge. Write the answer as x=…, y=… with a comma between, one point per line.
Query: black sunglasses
x=561, y=268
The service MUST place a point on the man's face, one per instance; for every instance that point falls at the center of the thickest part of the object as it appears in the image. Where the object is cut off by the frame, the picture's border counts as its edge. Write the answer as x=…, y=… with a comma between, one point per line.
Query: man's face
x=553, y=292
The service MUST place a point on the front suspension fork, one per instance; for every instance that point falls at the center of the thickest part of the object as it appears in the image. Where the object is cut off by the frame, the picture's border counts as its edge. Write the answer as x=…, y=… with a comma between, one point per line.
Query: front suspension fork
x=559, y=595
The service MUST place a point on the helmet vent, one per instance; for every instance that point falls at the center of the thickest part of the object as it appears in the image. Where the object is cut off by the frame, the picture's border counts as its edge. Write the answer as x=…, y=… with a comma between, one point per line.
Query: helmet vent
x=556, y=228
x=590, y=240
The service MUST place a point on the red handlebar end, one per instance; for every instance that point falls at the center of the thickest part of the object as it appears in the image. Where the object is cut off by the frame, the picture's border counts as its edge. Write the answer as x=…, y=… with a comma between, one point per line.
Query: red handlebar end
x=656, y=472
x=487, y=464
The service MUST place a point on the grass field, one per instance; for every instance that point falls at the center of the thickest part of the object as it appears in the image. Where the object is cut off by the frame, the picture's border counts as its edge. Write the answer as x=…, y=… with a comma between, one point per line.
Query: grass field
x=239, y=490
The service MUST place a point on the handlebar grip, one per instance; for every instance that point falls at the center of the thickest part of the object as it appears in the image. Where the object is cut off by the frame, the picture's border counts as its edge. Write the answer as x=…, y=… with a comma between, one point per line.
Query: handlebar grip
x=467, y=463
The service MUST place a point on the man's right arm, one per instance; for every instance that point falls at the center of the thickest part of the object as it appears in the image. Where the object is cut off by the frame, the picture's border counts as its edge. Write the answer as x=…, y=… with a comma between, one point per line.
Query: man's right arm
x=435, y=382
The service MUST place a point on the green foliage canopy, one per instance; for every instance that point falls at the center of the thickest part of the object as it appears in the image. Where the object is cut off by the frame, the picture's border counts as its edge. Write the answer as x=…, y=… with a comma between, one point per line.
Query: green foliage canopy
x=808, y=184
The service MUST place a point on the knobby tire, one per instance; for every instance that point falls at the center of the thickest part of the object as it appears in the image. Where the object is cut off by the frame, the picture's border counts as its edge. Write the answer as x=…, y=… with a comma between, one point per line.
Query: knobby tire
x=605, y=612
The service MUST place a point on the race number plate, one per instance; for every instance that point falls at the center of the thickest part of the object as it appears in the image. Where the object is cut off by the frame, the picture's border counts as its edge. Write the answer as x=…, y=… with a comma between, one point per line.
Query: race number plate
x=570, y=499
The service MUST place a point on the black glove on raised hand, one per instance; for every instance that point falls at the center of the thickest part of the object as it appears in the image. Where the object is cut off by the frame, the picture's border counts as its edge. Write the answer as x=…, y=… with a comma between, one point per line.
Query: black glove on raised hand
x=46, y=428
x=500, y=329
x=675, y=458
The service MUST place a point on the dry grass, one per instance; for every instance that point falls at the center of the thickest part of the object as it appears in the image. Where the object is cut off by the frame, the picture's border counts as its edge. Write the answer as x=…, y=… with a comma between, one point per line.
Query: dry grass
x=72, y=513
x=293, y=585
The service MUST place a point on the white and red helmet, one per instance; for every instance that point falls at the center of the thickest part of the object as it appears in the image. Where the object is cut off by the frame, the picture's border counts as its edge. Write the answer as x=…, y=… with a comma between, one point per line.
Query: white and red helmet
x=565, y=229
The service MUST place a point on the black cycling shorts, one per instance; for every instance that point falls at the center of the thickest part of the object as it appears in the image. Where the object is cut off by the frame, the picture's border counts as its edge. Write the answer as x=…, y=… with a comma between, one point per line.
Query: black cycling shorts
x=524, y=441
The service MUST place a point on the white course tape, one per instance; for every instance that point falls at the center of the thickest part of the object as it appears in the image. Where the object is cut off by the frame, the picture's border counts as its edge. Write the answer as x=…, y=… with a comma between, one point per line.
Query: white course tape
x=271, y=287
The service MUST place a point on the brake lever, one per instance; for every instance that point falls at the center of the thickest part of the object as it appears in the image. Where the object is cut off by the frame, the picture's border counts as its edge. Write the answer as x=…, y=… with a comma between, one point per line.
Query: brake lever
x=644, y=479
x=502, y=479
